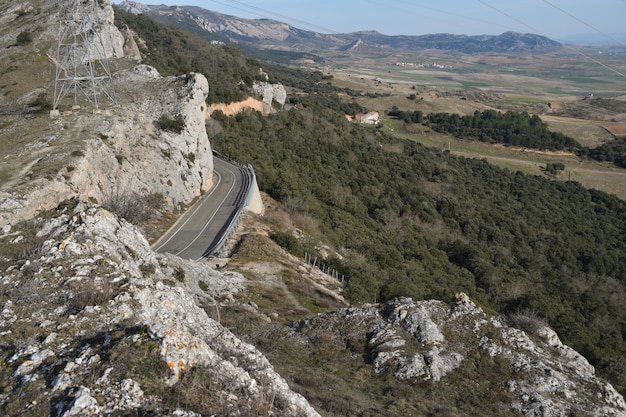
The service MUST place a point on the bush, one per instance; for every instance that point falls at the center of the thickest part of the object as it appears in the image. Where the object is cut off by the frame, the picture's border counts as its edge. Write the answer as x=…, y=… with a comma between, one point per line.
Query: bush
x=132, y=206
x=554, y=167
x=176, y=125
x=90, y=294
x=528, y=321
x=24, y=38
x=179, y=274
x=289, y=242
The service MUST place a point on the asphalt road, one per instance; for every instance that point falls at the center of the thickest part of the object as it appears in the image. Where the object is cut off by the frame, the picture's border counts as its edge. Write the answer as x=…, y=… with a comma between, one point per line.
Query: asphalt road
x=196, y=233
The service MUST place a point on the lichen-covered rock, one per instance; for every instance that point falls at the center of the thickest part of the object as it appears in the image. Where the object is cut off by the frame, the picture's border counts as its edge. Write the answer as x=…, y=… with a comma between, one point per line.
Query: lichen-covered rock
x=83, y=404
x=433, y=341
x=270, y=92
x=73, y=361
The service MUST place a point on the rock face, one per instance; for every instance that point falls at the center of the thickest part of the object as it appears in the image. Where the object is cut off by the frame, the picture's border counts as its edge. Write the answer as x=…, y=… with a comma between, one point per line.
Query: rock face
x=433, y=341
x=139, y=153
x=87, y=355
x=110, y=37
x=270, y=92
x=126, y=150
x=131, y=49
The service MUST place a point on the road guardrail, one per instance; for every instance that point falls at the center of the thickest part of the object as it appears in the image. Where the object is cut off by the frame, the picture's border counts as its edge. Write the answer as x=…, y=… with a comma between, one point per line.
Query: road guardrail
x=241, y=203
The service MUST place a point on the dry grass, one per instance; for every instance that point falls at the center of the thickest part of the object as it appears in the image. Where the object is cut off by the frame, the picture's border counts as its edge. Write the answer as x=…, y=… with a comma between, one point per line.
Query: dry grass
x=587, y=133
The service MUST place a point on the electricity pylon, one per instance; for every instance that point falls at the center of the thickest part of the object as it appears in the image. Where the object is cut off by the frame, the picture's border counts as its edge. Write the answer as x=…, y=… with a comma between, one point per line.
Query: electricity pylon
x=82, y=68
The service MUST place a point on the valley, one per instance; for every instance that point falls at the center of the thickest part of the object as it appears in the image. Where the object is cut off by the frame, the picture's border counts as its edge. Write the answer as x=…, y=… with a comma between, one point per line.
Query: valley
x=563, y=90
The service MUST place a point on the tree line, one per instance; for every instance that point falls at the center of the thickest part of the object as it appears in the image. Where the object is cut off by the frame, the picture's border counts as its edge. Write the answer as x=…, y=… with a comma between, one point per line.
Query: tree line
x=513, y=129
x=509, y=128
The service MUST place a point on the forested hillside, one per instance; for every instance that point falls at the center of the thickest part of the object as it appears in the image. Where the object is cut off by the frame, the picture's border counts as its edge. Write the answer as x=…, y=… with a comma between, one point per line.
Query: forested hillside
x=413, y=221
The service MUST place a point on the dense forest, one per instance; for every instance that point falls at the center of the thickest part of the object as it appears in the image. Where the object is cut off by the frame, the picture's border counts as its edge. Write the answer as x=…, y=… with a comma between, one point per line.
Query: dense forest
x=414, y=221
x=613, y=151
x=510, y=128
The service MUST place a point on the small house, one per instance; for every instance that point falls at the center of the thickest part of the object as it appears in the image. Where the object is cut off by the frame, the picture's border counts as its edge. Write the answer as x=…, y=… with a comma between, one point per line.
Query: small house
x=371, y=118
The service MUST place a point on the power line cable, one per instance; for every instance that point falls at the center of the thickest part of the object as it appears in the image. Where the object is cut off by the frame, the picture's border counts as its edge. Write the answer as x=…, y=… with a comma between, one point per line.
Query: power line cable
x=583, y=22
x=413, y=8
x=564, y=45
x=258, y=11
x=449, y=13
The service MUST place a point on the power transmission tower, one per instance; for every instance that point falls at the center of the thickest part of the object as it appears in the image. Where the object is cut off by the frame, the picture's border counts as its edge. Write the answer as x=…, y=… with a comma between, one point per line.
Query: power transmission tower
x=82, y=68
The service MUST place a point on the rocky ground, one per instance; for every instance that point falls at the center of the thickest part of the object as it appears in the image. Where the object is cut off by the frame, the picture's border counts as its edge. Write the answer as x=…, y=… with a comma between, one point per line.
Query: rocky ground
x=93, y=321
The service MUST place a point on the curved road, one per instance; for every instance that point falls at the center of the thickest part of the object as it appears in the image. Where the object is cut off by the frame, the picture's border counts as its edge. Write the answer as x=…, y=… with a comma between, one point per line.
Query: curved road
x=197, y=232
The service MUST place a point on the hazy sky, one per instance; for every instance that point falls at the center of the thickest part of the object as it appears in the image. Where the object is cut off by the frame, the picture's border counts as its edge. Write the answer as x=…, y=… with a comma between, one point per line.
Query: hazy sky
x=553, y=18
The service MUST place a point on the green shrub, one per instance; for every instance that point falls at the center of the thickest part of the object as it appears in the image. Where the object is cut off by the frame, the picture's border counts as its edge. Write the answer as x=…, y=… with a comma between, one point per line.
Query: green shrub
x=289, y=242
x=24, y=38
x=554, y=167
x=176, y=125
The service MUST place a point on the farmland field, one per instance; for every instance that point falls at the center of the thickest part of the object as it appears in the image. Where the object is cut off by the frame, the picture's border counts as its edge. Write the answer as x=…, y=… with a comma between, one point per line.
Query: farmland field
x=573, y=95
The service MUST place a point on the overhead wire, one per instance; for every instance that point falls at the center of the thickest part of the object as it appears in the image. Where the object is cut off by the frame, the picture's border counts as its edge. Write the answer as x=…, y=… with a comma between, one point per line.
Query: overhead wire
x=261, y=12
x=583, y=22
x=449, y=13
x=535, y=30
x=258, y=11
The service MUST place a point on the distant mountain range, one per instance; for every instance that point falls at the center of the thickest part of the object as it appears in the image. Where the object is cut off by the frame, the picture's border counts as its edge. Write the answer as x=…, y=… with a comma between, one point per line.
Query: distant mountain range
x=272, y=34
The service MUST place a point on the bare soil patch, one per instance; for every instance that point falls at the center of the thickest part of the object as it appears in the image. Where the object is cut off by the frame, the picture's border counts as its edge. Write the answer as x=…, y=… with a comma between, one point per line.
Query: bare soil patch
x=617, y=129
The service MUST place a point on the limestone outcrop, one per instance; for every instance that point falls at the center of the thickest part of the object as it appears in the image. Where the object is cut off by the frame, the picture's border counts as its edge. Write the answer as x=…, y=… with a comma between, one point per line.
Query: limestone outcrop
x=419, y=341
x=87, y=354
x=124, y=150
x=270, y=92
x=127, y=149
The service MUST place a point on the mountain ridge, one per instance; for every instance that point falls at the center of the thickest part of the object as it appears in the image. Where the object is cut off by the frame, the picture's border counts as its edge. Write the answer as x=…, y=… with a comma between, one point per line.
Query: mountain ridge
x=269, y=33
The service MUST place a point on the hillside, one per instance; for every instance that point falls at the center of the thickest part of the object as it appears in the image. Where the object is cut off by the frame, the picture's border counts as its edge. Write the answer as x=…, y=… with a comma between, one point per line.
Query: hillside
x=309, y=315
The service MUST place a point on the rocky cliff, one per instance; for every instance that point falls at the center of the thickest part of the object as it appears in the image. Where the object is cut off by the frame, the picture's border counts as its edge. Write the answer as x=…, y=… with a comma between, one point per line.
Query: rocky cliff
x=114, y=327
x=124, y=150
